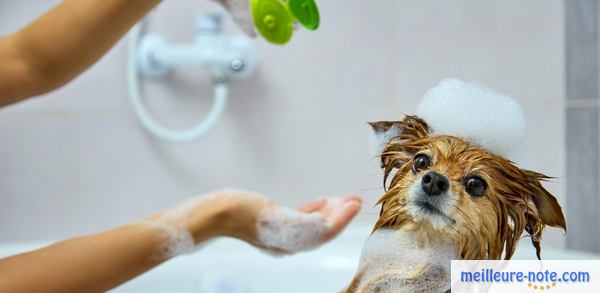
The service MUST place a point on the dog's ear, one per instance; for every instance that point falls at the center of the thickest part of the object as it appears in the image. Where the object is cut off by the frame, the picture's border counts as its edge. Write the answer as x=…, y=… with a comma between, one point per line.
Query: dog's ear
x=411, y=128
x=548, y=208
x=542, y=208
x=383, y=132
x=392, y=141
x=396, y=143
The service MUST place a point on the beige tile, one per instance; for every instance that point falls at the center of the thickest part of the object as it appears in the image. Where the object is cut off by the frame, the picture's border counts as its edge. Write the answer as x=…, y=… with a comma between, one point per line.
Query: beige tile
x=517, y=51
x=78, y=159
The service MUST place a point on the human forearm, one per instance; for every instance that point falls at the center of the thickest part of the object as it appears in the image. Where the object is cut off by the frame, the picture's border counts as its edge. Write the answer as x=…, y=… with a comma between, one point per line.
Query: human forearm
x=68, y=39
x=102, y=261
x=93, y=263
x=99, y=262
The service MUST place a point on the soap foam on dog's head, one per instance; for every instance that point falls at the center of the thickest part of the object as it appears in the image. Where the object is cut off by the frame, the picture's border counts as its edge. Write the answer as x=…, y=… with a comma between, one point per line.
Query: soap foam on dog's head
x=477, y=113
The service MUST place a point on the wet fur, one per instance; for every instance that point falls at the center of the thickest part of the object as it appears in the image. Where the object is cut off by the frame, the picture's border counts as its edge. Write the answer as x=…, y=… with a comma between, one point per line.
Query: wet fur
x=486, y=227
x=417, y=281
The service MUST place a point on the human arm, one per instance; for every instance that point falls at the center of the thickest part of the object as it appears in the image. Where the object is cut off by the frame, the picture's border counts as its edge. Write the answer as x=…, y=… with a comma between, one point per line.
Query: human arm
x=62, y=43
x=102, y=261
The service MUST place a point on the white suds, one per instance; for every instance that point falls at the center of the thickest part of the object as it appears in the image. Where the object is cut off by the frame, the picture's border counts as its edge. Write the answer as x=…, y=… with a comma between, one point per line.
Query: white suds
x=477, y=113
x=391, y=258
x=178, y=239
x=173, y=222
x=289, y=230
x=279, y=230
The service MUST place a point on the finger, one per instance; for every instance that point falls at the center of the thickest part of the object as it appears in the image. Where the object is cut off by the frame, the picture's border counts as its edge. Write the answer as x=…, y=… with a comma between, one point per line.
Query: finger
x=341, y=216
x=338, y=201
x=334, y=203
x=313, y=206
x=356, y=198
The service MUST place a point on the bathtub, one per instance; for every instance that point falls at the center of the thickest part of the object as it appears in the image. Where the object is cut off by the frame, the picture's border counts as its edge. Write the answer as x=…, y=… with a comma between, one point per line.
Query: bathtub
x=230, y=266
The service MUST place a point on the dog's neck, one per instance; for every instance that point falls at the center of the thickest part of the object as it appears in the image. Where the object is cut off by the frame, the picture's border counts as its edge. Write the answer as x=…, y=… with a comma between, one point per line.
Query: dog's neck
x=392, y=261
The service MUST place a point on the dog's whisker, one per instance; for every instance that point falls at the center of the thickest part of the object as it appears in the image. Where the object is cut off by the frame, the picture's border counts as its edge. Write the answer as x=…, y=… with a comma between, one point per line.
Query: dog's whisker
x=371, y=175
x=373, y=189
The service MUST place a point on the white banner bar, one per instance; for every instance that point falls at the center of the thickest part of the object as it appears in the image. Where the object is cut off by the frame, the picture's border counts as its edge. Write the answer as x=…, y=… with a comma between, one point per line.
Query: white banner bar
x=516, y=276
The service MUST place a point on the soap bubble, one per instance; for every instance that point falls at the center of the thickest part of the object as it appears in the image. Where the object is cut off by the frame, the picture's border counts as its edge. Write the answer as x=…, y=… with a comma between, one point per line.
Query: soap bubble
x=476, y=113
x=390, y=259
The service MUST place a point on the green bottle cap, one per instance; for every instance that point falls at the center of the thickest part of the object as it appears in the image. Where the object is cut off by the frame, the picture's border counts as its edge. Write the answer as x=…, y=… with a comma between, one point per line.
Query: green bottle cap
x=306, y=12
x=272, y=20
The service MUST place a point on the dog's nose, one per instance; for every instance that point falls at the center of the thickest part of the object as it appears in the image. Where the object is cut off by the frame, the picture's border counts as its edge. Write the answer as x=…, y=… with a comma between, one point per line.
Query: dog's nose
x=434, y=183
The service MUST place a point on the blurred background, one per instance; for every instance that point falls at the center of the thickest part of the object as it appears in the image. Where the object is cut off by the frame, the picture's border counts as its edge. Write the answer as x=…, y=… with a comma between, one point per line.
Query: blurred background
x=76, y=161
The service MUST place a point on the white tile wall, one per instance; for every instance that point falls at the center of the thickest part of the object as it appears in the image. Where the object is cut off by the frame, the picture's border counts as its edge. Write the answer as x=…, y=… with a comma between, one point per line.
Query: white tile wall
x=75, y=161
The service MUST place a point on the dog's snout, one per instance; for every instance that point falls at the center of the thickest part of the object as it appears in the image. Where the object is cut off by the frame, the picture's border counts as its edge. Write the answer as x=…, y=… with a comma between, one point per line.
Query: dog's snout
x=434, y=183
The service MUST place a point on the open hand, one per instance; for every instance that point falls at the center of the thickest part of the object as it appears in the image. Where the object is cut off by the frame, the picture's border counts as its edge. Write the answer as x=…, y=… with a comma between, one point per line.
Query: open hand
x=257, y=220
x=336, y=212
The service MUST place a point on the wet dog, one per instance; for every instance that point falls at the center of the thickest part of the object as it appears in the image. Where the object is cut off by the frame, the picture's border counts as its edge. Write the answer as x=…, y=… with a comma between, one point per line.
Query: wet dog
x=447, y=198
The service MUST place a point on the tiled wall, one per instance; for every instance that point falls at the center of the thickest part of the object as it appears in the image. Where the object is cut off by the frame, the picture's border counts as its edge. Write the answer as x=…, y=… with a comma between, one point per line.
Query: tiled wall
x=582, y=124
x=75, y=161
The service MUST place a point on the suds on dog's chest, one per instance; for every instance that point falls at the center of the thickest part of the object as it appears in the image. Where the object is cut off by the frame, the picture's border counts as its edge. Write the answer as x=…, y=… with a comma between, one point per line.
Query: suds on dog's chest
x=391, y=261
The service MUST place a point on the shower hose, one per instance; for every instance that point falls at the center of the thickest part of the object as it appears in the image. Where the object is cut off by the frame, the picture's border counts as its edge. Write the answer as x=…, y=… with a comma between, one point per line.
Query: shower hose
x=144, y=116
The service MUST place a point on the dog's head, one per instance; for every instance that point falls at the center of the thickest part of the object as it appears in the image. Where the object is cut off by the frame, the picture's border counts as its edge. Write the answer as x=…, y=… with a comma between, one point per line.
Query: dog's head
x=443, y=186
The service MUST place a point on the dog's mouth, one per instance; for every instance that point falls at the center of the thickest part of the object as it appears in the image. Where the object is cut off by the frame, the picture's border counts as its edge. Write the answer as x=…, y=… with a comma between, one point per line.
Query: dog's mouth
x=430, y=210
x=434, y=210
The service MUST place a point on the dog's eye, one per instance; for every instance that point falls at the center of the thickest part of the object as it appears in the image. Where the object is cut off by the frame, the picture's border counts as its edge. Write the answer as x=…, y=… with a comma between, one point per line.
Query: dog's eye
x=421, y=162
x=475, y=186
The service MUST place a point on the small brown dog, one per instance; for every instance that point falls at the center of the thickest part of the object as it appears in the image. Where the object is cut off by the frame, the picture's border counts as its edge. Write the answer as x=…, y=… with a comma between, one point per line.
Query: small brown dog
x=448, y=194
